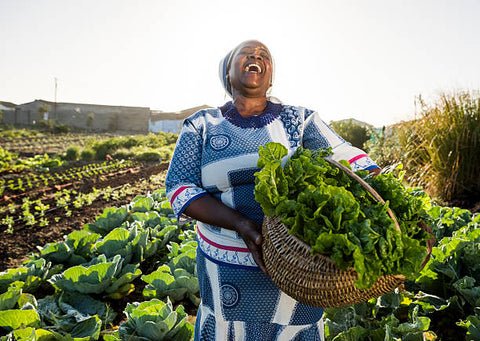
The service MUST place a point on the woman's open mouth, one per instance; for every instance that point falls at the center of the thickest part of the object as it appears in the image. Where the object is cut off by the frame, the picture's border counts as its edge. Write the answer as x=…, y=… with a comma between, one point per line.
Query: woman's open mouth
x=253, y=68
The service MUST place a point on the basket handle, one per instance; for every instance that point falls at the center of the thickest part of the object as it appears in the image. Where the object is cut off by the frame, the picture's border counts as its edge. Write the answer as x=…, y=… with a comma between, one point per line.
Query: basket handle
x=367, y=187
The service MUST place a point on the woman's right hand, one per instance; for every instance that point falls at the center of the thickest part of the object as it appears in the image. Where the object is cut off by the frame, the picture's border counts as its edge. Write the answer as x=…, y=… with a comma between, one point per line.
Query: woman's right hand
x=250, y=232
x=214, y=212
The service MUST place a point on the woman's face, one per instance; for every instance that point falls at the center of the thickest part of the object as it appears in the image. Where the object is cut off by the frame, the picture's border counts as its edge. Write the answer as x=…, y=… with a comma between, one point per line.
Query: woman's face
x=250, y=70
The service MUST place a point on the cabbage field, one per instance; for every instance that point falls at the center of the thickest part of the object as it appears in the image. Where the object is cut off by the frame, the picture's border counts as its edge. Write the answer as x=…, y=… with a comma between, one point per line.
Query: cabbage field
x=91, y=249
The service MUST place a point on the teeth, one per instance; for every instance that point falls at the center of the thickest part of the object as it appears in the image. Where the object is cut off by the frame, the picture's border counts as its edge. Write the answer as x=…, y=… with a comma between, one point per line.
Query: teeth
x=256, y=66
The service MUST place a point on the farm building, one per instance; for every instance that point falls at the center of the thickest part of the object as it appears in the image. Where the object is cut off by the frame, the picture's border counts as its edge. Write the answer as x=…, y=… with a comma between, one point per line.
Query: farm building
x=95, y=117
x=7, y=111
x=170, y=121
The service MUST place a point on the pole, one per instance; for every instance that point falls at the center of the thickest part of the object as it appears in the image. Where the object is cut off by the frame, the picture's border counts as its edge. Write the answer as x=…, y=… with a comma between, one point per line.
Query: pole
x=55, y=101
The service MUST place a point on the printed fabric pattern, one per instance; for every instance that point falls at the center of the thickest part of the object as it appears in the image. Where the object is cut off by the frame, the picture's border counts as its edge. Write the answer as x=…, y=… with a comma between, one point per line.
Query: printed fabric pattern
x=218, y=157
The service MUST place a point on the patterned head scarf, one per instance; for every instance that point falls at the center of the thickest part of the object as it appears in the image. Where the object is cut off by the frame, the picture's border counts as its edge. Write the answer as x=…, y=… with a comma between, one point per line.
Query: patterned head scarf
x=223, y=72
x=224, y=67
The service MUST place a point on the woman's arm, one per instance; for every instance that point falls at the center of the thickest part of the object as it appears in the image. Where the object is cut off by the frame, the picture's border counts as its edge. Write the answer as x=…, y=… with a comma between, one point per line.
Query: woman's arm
x=211, y=211
x=187, y=195
x=317, y=134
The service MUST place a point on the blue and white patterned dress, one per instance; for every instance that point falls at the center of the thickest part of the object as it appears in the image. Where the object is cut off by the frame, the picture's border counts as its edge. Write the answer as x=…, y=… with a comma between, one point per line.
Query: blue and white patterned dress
x=216, y=154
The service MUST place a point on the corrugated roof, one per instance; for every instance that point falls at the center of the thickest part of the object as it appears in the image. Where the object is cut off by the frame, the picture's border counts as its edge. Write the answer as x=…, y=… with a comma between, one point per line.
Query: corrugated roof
x=8, y=104
x=99, y=105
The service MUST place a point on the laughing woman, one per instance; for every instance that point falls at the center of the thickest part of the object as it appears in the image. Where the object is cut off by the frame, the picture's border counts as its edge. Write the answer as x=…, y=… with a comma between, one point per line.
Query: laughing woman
x=211, y=179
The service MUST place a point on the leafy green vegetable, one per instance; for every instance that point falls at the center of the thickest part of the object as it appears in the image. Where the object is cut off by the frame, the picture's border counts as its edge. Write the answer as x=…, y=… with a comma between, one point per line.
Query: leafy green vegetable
x=75, y=250
x=11, y=319
x=142, y=204
x=37, y=334
x=104, y=276
x=385, y=318
x=472, y=325
x=31, y=274
x=177, y=279
x=155, y=320
x=337, y=217
x=75, y=314
x=130, y=244
x=111, y=218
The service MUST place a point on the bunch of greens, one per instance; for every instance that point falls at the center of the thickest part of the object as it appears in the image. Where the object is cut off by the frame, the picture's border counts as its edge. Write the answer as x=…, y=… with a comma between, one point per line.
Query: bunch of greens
x=155, y=320
x=388, y=317
x=337, y=217
x=178, y=278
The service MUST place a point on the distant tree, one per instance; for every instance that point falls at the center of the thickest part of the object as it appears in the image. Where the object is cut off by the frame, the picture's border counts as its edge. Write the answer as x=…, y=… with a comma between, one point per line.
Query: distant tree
x=44, y=108
x=355, y=133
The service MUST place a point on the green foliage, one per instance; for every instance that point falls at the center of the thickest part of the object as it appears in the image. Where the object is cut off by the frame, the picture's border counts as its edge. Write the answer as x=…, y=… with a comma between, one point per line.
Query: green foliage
x=41, y=162
x=104, y=264
x=384, y=146
x=87, y=154
x=324, y=207
x=135, y=146
x=110, y=218
x=149, y=156
x=17, y=309
x=72, y=153
x=31, y=275
x=12, y=319
x=75, y=250
x=75, y=315
x=387, y=318
x=355, y=133
x=155, y=320
x=441, y=149
x=102, y=275
x=131, y=244
x=177, y=279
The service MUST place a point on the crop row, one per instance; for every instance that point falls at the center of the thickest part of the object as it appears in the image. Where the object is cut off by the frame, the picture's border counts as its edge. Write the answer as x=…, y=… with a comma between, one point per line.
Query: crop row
x=144, y=238
x=62, y=203
x=31, y=181
x=68, y=290
x=25, y=141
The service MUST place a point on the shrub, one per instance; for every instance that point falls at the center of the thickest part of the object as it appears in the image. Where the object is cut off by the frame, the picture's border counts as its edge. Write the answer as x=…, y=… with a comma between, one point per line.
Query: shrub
x=72, y=153
x=87, y=155
x=440, y=151
x=444, y=145
x=384, y=146
x=123, y=153
x=354, y=132
x=149, y=156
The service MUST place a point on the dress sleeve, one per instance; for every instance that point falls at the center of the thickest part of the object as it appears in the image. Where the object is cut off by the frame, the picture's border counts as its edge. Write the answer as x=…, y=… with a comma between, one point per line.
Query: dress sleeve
x=184, y=182
x=317, y=134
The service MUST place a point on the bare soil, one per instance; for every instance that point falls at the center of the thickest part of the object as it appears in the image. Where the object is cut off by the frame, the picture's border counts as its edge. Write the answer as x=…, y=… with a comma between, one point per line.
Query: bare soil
x=16, y=247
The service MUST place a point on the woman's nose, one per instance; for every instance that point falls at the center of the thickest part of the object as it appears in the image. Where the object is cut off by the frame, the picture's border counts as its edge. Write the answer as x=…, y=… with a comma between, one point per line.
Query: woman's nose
x=255, y=56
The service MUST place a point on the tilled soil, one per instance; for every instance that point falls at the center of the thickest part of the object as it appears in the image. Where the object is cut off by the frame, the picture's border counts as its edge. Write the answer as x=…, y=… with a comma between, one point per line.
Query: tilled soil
x=15, y=247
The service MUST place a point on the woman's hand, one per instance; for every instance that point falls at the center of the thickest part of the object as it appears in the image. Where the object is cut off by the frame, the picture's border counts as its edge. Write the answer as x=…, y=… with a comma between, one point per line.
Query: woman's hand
x=250, y=232
x=214, y=212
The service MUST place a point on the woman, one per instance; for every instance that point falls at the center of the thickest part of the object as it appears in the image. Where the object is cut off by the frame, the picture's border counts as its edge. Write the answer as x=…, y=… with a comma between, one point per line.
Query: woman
x=211, y=179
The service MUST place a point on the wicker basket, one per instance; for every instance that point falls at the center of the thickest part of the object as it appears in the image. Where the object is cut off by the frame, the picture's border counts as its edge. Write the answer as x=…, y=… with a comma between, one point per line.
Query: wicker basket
x=314, y=279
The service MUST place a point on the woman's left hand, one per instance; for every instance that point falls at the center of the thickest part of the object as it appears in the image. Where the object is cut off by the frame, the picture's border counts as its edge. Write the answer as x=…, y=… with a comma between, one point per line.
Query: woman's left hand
x=250, y=232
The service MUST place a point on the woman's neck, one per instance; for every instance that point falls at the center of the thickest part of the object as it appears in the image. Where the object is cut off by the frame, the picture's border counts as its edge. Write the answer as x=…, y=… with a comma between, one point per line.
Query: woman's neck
x=247, y=107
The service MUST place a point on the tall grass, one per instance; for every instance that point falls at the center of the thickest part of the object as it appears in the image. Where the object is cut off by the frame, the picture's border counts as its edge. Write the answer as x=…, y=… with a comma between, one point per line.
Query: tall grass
x=442, y=147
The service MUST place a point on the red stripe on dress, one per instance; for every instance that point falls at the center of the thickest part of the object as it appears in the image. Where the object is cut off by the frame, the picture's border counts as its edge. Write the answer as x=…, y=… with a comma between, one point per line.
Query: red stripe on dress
x=223, y=247
x=357, y=157
x=177, y=192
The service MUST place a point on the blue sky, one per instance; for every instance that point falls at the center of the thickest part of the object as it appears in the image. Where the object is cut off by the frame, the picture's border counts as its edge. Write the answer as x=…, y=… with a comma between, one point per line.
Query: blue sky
x=362, y=59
